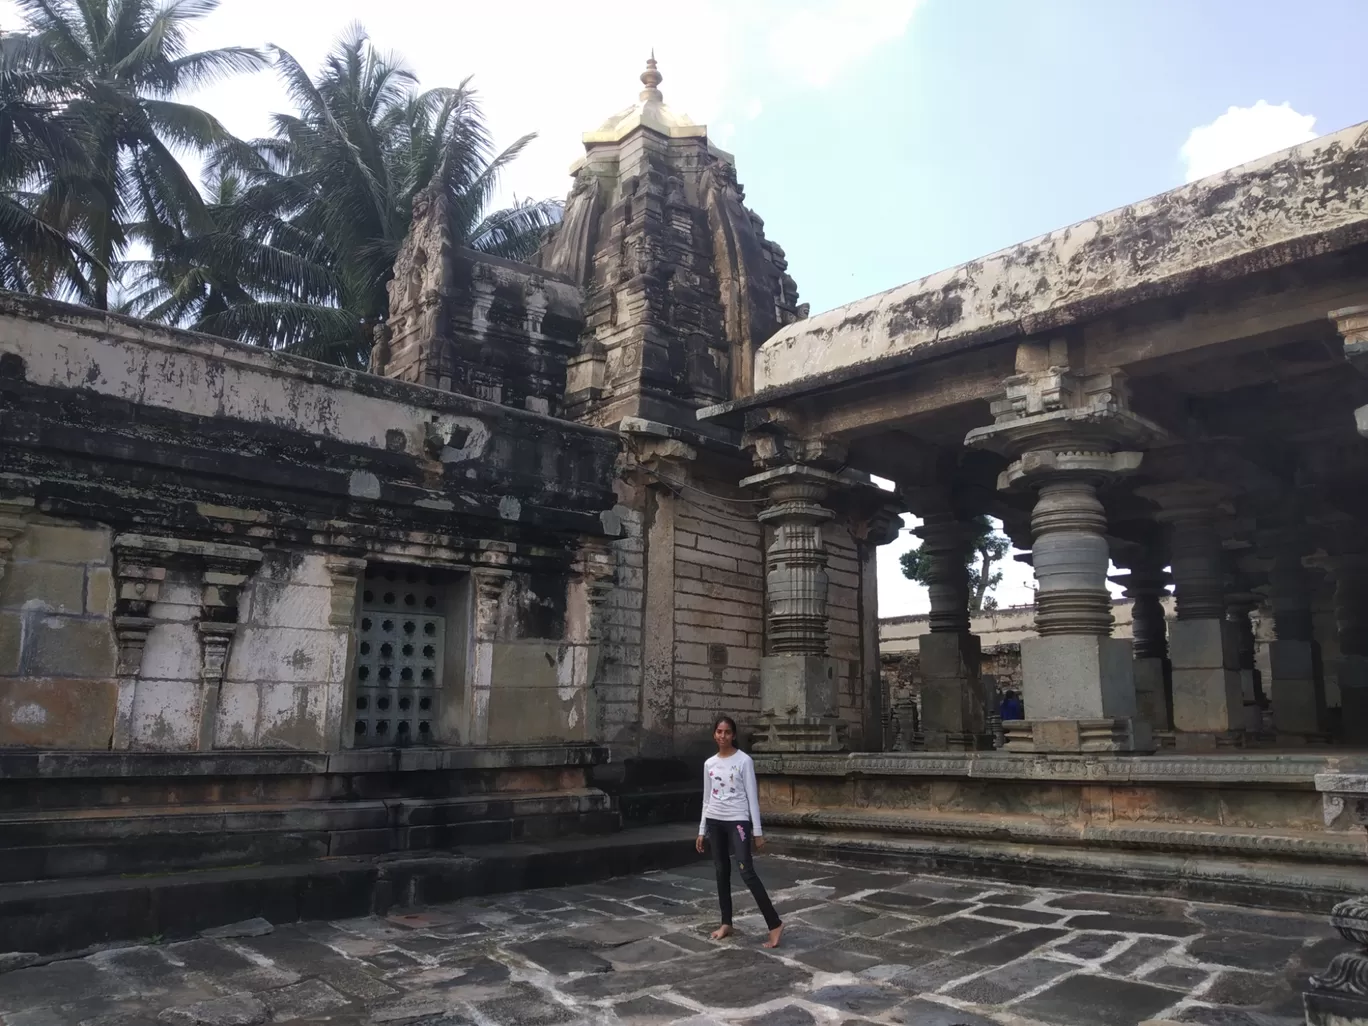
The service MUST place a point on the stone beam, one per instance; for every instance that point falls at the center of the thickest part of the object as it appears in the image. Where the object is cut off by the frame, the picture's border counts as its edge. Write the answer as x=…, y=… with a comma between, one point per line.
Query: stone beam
x=1309, y=201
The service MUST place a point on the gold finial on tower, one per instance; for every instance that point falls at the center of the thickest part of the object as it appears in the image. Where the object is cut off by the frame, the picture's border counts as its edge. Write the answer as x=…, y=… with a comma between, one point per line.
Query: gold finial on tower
x=651, y=79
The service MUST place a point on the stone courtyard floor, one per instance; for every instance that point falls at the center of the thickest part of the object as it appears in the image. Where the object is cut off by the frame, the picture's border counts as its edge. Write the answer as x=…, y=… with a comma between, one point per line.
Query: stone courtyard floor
x=859, y=947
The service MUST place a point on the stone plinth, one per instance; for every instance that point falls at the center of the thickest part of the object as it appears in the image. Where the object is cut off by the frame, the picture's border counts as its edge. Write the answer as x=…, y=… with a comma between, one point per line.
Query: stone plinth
x=1082, y=697
x=1151, y=692
x=798, y=704
x=952, y=695
x=1297, y=690
x=1353, y=683
x=1208, y=699
x=1099, y=821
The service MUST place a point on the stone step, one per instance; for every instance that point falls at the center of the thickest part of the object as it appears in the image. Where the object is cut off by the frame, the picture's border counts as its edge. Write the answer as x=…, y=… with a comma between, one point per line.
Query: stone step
x=40, y=780
x=1222, y=877
x=1235, y=842
x=75, y=914
x=71, y=843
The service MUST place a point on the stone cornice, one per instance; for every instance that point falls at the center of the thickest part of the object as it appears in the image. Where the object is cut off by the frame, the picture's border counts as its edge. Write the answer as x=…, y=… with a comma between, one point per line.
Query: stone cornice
x=1275, y=211
x=1289, y=770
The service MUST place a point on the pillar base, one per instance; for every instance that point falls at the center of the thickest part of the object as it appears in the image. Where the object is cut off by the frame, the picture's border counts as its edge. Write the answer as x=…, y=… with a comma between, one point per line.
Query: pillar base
x=1208, y=695
x=952, y=741
x=1353, y=683
x=1075, y=736
x=798, y=734
x=1084, y=677
x=1339, y=995
x=1151, y=692
x=1335, y=1009
x=1297, y=693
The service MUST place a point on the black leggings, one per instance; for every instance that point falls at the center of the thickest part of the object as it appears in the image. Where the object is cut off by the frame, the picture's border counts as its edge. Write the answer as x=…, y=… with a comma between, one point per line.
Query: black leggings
x=733, y=840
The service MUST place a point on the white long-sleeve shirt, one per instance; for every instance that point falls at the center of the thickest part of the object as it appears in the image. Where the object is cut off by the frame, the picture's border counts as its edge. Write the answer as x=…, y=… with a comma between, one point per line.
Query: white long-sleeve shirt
x=729, y=792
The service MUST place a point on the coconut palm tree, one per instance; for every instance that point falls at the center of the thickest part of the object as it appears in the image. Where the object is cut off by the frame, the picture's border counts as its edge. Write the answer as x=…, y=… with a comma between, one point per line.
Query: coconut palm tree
x=117, y=66
x=249, y=276
x=334, y=186
x=38, y=140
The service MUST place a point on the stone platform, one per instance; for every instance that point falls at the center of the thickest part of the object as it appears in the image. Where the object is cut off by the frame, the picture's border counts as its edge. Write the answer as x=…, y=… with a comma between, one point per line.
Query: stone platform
x=104, y=846
x=1250, y=828
x=861, y=947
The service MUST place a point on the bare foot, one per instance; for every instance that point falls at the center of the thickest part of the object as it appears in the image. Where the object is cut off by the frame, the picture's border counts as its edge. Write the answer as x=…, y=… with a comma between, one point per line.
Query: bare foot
x=722, y=932
x=774, y=936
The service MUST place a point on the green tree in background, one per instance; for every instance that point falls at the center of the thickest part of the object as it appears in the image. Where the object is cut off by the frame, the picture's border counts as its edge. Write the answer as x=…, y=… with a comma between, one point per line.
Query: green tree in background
x=106, y=71
x=987, y=548
x=334, y=187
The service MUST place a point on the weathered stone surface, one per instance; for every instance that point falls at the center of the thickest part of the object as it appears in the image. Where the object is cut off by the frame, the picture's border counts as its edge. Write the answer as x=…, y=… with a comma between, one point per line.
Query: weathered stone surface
x=234, y=1010
x=1105, y=262
x=1010, y=982
x=519, y=966
x=1087, y=1000
x=57, y=713
x=257, y=927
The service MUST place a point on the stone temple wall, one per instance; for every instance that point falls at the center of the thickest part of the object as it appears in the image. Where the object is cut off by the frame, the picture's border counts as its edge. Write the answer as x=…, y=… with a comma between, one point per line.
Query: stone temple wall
x=207, y=546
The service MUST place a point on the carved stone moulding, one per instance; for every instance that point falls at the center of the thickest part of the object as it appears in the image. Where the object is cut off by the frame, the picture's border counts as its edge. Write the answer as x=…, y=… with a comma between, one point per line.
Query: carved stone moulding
x=1102, y=735
x=1339, y=995
x=800, y=734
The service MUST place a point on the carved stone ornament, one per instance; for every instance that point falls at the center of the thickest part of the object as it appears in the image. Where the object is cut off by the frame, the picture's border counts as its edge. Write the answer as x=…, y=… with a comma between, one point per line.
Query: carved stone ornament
x=1339, y=995
x=1348, y=972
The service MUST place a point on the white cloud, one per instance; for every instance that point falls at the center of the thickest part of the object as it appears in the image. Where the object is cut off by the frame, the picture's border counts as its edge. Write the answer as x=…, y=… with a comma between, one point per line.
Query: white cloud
x=1243, y=134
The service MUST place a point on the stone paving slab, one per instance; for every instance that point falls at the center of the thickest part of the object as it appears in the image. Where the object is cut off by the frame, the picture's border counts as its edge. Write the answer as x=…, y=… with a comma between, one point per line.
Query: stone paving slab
x=860, y=948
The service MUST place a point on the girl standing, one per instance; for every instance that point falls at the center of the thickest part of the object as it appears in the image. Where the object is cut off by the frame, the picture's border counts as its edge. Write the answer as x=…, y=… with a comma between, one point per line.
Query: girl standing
x=731, y=817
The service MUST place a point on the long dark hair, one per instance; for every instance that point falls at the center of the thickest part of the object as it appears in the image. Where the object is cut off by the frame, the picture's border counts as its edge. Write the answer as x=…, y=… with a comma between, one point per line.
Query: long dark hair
x=728, y=721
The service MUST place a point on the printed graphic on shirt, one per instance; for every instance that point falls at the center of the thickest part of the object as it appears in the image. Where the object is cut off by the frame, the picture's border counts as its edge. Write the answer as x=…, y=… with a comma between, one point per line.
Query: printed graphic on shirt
x=723, y=782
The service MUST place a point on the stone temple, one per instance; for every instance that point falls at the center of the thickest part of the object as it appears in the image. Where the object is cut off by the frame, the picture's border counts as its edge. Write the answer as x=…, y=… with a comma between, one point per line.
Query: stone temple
x=282, y=639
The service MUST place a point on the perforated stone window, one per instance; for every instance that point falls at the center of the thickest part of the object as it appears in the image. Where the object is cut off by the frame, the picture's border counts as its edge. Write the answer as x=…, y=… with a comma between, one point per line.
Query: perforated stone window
x=399, y=658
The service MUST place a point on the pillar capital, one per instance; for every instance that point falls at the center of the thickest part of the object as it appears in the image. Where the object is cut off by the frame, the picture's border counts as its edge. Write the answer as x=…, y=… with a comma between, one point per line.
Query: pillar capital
x=1055, y=421
x=1192, y=500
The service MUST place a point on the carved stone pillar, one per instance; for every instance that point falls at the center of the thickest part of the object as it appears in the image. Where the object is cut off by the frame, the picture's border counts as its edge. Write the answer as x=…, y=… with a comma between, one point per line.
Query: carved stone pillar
x=224, y=575
x=798, y=696
x=1065, y=432
x=1240, y=605
x=347, y=573
x=595, y=572
x=1351, y=584
x=138, y=577
x=488, y=584
x=1297, y=683
x=952, y=695
x=141, y=563
x=1351, y=620
x=1146, y=585
x=870, y=530
x=12, y=522
x=1208, y=705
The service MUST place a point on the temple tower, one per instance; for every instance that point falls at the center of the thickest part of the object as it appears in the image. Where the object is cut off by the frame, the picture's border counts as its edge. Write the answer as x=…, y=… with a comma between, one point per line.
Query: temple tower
x=681, y=285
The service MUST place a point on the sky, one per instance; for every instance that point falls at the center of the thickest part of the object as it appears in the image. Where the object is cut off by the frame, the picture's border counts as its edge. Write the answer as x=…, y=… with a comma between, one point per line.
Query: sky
x=880, y=140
